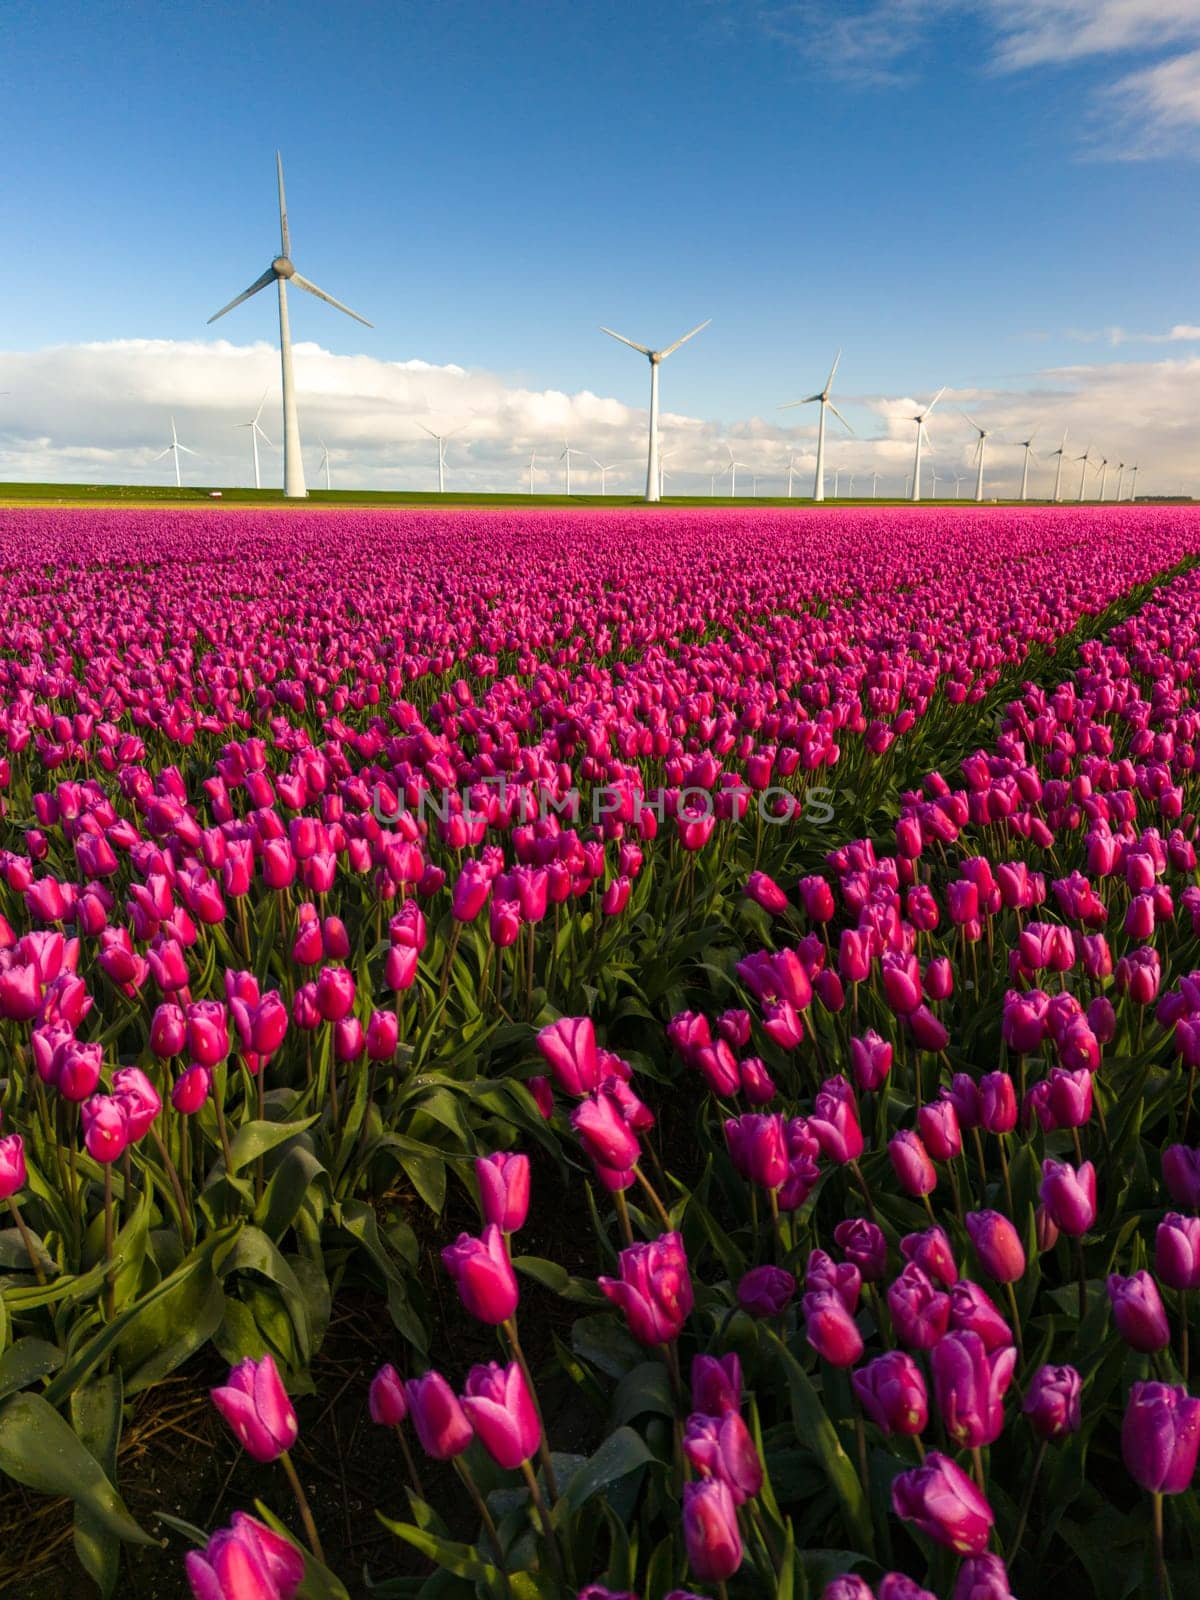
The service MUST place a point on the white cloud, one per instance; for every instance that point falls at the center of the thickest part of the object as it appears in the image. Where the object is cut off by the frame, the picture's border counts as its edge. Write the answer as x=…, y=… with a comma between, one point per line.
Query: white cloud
x=101, y=413
x=1153, y=112
x=1034, y=33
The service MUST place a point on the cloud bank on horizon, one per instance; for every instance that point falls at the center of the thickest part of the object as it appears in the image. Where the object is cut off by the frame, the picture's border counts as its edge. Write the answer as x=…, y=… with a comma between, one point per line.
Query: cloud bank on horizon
x=101, y=413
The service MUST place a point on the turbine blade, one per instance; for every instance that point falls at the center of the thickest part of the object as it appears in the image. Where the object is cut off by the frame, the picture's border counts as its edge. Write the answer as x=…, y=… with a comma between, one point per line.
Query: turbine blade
x=311, y=288
x=974, y=424
x=268, y=277
x=699, y=328
x=807, y=401
x=285, y=238
x=832, y=371
x=642, y=349
x=424, y=429
x=261, y=404
x=839, y=416
x=163, y=453
x=184, y=448
x=935, y=399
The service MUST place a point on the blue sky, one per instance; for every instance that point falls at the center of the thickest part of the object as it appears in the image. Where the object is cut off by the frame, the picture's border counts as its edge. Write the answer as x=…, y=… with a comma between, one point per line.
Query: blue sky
x=957, y=191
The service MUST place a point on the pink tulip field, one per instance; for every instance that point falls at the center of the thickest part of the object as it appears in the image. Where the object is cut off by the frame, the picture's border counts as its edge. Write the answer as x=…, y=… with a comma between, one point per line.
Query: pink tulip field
x=711, y=998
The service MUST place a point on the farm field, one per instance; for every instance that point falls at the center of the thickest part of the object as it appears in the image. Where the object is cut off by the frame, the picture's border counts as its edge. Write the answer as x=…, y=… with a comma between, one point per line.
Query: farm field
x=599, y=1054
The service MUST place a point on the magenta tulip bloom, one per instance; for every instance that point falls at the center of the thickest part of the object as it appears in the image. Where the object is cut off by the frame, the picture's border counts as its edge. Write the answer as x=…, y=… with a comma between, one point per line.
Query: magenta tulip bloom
x=969, y=1385
x=138, y=1099
x=863, y=1243
x=605, y=1132
x=1181, y=1174
x=383, y=1032
x=891, y=1390
x=504, y=1189
x=848, y=1587
x=974, y=1311
x=499, y=1405
x=386, y=1400
x=255, y=1404
x=483, y=1275
x=983, y=1577
x=870, y=1059
x=933, y=1253
x=1052, y=1401
x=1177, y=1251
x=758, y=1149
x=569, y=1048
x=710, y=1530
x=654, y=1289
x=246, y=1561
x=717, y=1384
x=441, y=1423
x=191, y=1089
x=105, y=1130
x=944, y=1504
x=997, y=1244
x=168, y=1031
x=997, y=1103
x=766, y=1291
x=261, y=1023
x=834, y=1122
x=208, y=1032
x=920, y=1313
x=721, y=1447
x=831, y=1329
x=940, y=1134
x=1069, y=1196
x=1138, y=1312
x=899, y=1586
x=1160, y=1437
x=12, y=1165
x=335, y=993
x=916, y=1173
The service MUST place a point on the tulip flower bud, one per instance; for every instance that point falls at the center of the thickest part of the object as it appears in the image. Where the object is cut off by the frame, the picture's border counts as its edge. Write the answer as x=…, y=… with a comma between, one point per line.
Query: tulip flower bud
x=933, y=1253
x=766, y=1291
x=721, y=1447
x=1138, y=1312
x=944, y=1504
x=105, y=1131
x=891, y=1390
x=938, y=1124
x=504, y=1189
x=983, y=1577
x=569, y=1047
x=1069, y=1196
x=710, y=1530
x=191, y=1089
x=441, y=1423
x=483, y=1275
x=916, y=1173
x=245, y=1560
x=498, y=1403
x=831, y=1329
x=920, y=1313
x=864, y=1244
x=1177, y=1251
x=1052, y=1401
x=12, y=1165
x=654, y=1289
x=716, y=1384
x=969, y=1384
x=997, y=1244
x=256, y=1406
x=386, y=1401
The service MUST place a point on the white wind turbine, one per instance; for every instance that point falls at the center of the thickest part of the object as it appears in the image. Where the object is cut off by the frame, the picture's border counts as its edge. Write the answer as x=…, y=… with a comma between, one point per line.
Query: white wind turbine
x=874, y=486
x=1085, y=458
x=919, y=419
x=984, y=433
x=323, y=464
x=958, y=483
x=791, y=472
x=731, y=469
x=1103, y=471
x=280, y=270
x=256, y=433
x=1061, y=453
x=441, y=441
x=823, y=397
x=1133, y=482
x=532, y=460
x=1120, y=481
x=1027, y=446
x=837, y=483
x=605, y=469
x=655, y=358
x=664, y=455
x=933, y=490
x=568, y=451
x=173, y=449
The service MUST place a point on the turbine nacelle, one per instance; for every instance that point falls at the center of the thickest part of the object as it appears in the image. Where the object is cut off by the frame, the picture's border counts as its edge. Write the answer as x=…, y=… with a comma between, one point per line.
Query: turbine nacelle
x=283, y=268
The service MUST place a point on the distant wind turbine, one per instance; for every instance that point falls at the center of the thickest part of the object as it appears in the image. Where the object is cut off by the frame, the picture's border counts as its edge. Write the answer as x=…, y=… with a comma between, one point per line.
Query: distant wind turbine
x=280, y=270
x=1085, y=458
x=256, y=433
x=604, y=472
x=823, y=397
x=837, y=483
x=920, y=419
x=441, y=439
x=1027, y=446
x=568, y=451
x=664, y=455
x=323, y=466
x=984, y=434
x=1120, y=481
x=1061, y=453
x=655, y=358
x=532, y=460
x=1103, y=471
x=173, y=449
x=731, y=469
x=933, y=490
x=1133, y=483
x=791, y=472
x=958, y=483
x=874, y=485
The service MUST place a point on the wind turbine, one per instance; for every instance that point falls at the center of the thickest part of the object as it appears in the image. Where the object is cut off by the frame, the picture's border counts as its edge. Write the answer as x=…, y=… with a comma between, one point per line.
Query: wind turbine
x=1103, y=471
x=919, y=419
x=933, y=490
x=907, y=481
x=874, y=486
x=1027, y=446
x=173, y=449
x=731, y=469
x=441, y=439
x=664, y=455
x=568, y=451
x=324, y=462
x=791, y=472
x=655, y=357
x=604, y=472
x=823, y=397
x=1061, y=453
x=1085, y=458
x=1120, y=481
x=958, y=483
x=1133, y=483
x=280, y=270
x=532, y=459
x=256, y=432
x=837, y=483
x=983, y=433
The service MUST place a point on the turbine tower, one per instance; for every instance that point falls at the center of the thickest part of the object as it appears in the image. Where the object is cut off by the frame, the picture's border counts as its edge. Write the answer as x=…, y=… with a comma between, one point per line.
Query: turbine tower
x=983, y=433
x=874, y=486
x=1061, y=453
x=280, y=270
x=256, y=433
x=823, y=397
x=655, y=357
x=1085, y=458
x=919, y=419
x=1027, y=446
x=791, y=472
x=441, y=439
x=173, y=449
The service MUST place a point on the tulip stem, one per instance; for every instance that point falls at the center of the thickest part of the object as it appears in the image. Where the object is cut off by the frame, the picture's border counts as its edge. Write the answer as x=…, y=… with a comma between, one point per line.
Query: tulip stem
x=535, y=1495
x=510, y=1328
x=1012, y=1306
x=414, y=1477
x=27, y=1241
x=866, y=1193
x=306, y=1516
x=472, y=1489
x=1183, y=1335
x=977, y=1463
x=652, y=1195
x=110, y=1285
x=1004, y=1172
x=860, y=1434
x=1160, y=1560
x=1082, y=1279
x=185, y=1221
x=1026, y=1503
x=623, y=1215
